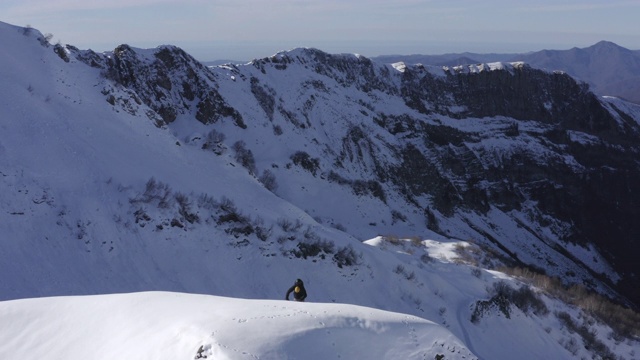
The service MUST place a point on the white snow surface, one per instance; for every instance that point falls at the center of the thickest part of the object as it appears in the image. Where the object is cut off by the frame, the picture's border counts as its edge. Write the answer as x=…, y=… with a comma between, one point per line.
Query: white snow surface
x=164, y=325
x=82, y=279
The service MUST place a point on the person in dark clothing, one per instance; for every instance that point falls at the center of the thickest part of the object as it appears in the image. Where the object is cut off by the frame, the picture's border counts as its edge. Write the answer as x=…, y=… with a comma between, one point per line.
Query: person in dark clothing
x=298, y=290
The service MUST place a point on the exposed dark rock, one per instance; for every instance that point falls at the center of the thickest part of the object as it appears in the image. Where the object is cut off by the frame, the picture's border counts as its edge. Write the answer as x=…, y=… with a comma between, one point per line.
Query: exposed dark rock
x=171, y=83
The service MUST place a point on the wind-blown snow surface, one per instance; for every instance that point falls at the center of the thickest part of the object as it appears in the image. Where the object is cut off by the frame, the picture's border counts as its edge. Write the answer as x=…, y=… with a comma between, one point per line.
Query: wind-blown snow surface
x=162, y=325
x=72, y=167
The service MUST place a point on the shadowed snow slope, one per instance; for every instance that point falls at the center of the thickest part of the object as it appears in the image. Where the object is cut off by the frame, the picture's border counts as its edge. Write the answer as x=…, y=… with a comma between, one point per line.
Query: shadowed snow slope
x=163, y=325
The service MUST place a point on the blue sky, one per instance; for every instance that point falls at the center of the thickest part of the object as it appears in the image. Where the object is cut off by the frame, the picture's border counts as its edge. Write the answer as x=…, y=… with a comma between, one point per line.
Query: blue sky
x=248, y=29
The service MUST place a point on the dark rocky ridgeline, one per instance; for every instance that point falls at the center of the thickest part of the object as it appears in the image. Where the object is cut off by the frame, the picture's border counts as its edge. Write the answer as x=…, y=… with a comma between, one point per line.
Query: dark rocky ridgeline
x=346, y=69
x=169, y=81
x=519, y=92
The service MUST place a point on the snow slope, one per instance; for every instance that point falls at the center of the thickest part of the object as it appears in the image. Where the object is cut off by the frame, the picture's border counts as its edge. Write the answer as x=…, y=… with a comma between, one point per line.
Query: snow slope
x=162, y=325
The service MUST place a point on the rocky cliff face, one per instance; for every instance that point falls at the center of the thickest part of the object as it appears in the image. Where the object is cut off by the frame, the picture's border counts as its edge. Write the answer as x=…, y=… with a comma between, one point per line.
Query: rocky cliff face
x=168, y=80
x=528, y=162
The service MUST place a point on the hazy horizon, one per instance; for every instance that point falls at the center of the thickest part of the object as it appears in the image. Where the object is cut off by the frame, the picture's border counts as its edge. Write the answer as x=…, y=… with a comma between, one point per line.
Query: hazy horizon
x=249, y=29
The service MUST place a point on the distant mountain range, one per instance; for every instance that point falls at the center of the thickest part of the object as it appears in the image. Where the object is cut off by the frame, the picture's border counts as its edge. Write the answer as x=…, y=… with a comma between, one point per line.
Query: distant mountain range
x=608, y=68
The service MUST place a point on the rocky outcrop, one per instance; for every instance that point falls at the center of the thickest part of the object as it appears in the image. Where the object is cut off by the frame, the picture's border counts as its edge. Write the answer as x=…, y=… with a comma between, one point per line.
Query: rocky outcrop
x=167, y=80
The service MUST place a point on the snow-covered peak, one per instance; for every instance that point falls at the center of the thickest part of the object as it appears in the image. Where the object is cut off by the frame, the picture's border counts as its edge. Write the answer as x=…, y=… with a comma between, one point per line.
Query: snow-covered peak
x=8, y=32
x=314, y=55
x=494, y=66
x=400, y=66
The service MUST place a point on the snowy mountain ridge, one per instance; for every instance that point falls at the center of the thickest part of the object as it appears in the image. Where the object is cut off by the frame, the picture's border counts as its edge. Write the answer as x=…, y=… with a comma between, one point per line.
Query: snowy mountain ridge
x=609, y=69
x=142, y=170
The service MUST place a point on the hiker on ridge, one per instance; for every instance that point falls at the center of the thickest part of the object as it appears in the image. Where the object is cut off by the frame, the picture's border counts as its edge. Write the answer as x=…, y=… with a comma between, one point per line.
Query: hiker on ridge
x=298, y=290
